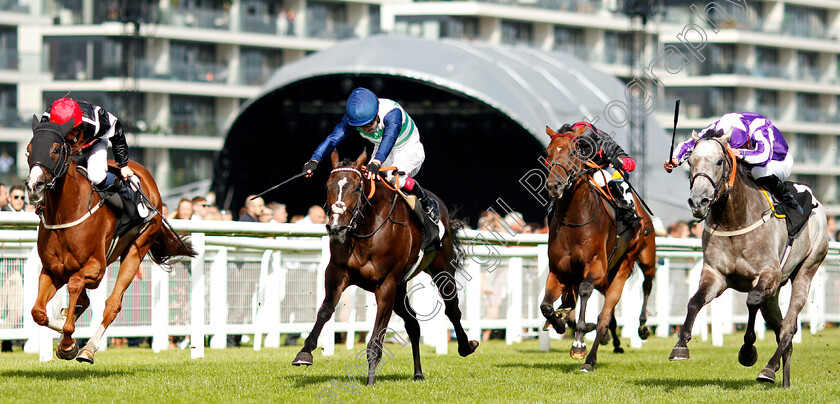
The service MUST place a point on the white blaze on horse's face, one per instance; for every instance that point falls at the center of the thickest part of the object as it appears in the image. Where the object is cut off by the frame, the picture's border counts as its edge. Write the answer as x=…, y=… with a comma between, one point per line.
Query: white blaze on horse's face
x=707, y=170
x=339, y=207
x=35, y=184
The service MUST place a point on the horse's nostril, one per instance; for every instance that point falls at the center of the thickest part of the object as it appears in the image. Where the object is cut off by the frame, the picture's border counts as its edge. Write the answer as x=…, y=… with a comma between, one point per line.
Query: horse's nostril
x=690, y=203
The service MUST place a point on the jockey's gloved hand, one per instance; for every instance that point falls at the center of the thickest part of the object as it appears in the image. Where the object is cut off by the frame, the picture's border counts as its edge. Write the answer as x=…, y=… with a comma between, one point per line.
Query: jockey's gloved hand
x=373, y=167
x=617, y=163
x=309, y=167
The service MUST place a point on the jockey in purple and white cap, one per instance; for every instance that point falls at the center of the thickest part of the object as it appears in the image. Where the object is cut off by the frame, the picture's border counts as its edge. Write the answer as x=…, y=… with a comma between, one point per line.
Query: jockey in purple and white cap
x=757, y=143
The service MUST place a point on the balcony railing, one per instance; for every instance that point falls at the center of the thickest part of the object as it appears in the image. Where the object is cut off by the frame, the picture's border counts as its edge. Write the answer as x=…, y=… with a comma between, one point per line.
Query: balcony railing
x=811, y=114
x=264, y=24
x=196, y=126
x=199, y=72
x=795, y=28
x=329, y=30
x=196, y=17
x=770, y=70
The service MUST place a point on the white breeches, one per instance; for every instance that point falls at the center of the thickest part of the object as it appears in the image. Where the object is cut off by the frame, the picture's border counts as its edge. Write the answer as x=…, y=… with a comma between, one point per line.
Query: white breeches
x=780, y=169
x=97, y=161
x=407, y=158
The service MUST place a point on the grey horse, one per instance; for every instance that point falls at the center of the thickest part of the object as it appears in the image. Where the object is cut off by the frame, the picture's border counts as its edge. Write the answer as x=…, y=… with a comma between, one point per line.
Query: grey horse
x=743, y=248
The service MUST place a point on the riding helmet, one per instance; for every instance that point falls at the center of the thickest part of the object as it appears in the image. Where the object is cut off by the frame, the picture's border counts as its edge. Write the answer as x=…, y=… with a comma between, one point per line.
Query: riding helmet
x=362, y=107
x=65, y=109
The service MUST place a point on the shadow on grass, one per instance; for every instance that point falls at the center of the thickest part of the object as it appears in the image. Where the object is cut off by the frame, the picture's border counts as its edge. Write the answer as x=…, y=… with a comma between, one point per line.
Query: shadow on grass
x=571, y=367
x=670, y=385
x=307, y=381
x=65, y=374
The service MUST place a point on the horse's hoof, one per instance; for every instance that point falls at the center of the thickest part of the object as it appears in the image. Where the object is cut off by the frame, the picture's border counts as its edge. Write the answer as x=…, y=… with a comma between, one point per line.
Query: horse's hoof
x=303, y=358
x=618, y=349
x=67, y=354
x=418, y=378
x=766, y=375
x=586, y=368
x=679, y=353
x=578, y=352
x=473, y=344
x=86, y=356
x=644, y=332
x=747, y=355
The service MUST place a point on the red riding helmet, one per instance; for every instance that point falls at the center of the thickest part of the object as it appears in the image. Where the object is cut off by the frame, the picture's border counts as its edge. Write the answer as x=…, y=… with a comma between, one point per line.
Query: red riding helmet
x=65, y=109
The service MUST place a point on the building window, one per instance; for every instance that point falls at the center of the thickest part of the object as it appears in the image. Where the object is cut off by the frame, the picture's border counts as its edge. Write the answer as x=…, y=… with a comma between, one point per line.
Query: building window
x=619, y=48
x=571, y=40
x=808, y=108
x=193, y=116
x=767, y=104
x=188, y=166
x=8, y=49
x=195, y=62
x=327, y=20
x=515, y=33
x=257, y=65
x=807, y=149
x=804, y=22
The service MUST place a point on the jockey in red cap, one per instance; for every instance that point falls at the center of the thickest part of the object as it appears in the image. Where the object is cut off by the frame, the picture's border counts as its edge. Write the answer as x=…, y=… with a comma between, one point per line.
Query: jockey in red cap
x=93, y=129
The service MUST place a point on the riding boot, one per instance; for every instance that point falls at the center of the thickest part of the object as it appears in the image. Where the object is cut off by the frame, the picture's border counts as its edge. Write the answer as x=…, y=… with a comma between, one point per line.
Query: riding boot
x=430, y=205
x=625, y=211
x=781, y=192
x=794, y=215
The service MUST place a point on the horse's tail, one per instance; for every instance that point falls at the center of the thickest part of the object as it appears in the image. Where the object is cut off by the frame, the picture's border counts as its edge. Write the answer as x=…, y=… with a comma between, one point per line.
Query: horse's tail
x=455, y=226
x=168, y=245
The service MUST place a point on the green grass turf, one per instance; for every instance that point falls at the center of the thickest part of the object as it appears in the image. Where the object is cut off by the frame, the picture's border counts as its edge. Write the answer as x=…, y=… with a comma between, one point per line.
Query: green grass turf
x=495, y=373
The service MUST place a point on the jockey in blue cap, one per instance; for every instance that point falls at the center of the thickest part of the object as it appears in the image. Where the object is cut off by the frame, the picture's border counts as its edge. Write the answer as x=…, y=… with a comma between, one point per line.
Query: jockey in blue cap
x=757, y=143
x=395, y=137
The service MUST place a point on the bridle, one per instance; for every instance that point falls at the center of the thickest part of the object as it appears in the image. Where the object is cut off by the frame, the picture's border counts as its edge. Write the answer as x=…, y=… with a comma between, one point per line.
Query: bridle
x=340, y=208
x=49, y=134
x=728, y=176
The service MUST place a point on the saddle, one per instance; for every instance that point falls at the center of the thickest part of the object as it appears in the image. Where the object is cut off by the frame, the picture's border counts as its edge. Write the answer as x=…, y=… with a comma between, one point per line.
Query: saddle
x=126, y=212
x=795, y=222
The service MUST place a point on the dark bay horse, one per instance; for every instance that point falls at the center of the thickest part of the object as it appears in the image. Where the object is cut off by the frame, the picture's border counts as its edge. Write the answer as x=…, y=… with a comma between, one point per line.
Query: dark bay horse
x=584, y=250
x=743, y=249
x=74, y=236
x=374, y=243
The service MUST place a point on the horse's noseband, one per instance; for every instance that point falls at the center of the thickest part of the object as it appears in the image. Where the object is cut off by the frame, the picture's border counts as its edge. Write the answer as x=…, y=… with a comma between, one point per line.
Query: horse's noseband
x=723, y=178
x=340, y=208
x=43, y=138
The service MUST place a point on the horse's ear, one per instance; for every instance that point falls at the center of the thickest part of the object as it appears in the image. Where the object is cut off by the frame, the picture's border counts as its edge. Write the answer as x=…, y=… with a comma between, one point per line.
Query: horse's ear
x=66, y=127
x=334, y=158
x=694, y=135
x=580, y=129
x=35, y=122
x=362, y=158
x=550, y=132
x=725, y=138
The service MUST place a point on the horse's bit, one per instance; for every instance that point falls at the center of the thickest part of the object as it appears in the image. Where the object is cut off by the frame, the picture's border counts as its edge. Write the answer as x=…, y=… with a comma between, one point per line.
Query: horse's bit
x=58, y=168
x=723, y=178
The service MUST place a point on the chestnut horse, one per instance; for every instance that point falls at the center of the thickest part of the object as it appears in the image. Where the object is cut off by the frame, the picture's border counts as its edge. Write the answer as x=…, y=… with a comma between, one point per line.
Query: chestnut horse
x=74, y=236
x=584, y=250
x=374, y=244
x=744, y=248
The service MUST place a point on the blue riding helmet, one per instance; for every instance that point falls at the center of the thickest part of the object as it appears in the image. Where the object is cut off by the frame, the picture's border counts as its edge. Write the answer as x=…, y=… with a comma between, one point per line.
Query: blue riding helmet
x=362, y=107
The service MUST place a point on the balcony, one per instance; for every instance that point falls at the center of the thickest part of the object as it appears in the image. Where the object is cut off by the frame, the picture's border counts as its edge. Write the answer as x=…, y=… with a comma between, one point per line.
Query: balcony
x=196, y=126
x=812, y=115
x=799, y=29
x=198, y=72
x=330, y=30
x=196, y=18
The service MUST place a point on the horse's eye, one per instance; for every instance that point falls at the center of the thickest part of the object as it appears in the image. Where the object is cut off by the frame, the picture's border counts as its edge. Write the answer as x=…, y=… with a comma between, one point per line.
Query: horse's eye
x=720, y=162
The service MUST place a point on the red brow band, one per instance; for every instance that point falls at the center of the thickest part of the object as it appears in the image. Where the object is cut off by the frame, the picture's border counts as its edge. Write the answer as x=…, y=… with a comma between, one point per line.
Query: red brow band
x=563, y=134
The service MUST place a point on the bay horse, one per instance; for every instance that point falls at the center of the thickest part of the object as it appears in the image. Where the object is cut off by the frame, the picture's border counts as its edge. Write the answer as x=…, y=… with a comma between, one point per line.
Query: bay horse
x=743, y=249
x=585, y=251
x=374, y=244
x=74, y=236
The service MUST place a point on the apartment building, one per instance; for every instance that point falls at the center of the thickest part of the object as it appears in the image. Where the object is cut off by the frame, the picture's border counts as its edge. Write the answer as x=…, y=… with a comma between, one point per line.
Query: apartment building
x=177, y=71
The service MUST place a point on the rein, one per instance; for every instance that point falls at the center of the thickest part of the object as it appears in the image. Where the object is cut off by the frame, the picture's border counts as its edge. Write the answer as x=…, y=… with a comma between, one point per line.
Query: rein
x=357, y=211
x=728, y=179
